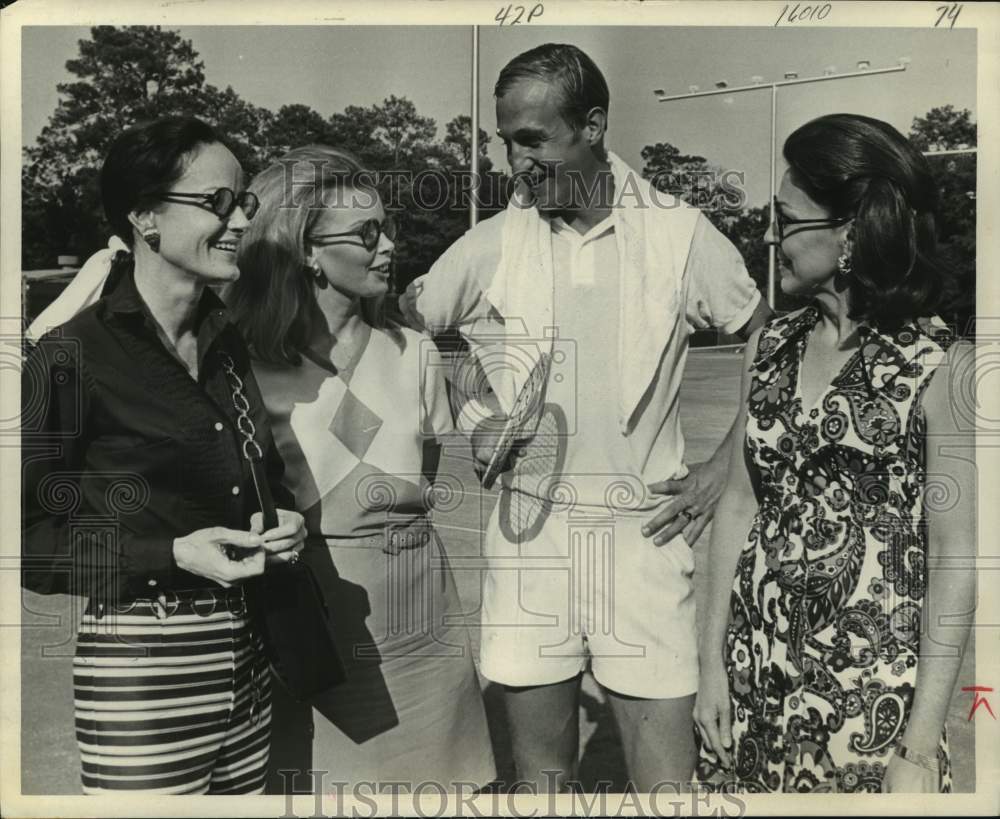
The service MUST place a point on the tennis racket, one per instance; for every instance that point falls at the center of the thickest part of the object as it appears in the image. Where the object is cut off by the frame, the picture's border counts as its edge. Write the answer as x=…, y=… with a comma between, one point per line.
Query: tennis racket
x=527, y=408
x=536, y=481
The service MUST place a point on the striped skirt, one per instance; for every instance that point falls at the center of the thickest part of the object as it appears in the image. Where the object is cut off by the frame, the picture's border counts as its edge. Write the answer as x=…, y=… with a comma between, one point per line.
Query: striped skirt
x=172, y=695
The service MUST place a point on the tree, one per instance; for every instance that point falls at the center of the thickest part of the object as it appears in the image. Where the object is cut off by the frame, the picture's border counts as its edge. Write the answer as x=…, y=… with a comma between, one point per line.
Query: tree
x=402, y=129
x=125, y=76
x=691, y=178
x=131, y=74
x=292, y=127
x=945, y=129
x=458, y=141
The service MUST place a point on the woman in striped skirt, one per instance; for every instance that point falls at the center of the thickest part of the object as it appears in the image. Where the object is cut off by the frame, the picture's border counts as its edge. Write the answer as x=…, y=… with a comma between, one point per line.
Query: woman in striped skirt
x=140, y=419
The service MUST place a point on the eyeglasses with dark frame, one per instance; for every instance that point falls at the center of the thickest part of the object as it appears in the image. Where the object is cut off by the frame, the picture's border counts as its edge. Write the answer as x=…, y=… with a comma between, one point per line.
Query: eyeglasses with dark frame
x=370, y=232
x=781, y=222
x=222, y=202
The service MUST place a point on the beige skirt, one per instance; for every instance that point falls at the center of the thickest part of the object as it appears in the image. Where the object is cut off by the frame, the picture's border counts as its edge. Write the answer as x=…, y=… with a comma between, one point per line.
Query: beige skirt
x=411, y=710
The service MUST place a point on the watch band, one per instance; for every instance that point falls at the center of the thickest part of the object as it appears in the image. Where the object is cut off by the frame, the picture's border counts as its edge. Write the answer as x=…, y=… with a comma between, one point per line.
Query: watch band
x=917, y=758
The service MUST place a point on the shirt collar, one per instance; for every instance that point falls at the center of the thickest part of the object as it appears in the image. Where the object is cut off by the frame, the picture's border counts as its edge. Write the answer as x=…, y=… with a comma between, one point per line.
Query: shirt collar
x=125, y=300
x=212, y=317
x=884, y=354
x=559, y=225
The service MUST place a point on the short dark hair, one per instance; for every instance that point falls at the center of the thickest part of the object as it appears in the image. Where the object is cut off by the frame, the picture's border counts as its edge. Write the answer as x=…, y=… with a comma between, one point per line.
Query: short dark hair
x=864, y=168
x=143, y=162
x=580, y=82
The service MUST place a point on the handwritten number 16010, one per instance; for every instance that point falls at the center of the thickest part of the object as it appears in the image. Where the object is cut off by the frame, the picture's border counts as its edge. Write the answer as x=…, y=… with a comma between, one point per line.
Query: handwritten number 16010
x=518, y=11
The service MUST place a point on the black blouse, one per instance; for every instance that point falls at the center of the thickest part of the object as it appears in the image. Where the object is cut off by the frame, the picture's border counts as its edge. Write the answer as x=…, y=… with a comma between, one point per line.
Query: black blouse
x=123, y=451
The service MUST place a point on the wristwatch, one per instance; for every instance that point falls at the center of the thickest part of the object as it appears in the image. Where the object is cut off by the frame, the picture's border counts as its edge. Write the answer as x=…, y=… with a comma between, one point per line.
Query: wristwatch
x=917, y=758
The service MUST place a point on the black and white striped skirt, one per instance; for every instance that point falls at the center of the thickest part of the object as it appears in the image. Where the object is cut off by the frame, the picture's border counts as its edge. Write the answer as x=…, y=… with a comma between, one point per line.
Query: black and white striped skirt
x=172, y=695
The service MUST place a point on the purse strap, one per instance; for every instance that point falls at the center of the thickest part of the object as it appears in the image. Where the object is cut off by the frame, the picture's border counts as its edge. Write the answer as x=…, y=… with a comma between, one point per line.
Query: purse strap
x=251, y=449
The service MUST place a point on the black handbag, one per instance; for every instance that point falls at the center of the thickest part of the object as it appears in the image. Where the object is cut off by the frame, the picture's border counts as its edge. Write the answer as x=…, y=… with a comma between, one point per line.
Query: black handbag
x=288, y=599
x=298, y=635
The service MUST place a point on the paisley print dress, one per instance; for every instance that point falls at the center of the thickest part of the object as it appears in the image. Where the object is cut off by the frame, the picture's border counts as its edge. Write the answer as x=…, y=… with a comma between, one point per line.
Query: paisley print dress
x=823, y=637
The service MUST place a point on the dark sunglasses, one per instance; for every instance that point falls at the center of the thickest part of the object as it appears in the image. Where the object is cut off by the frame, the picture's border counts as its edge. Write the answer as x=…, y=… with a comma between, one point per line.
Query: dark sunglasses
x=781, y=222
x=222, y=202
x=369, y=233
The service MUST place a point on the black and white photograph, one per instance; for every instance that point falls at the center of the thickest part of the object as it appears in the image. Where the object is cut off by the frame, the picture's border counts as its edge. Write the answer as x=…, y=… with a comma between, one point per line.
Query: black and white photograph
x=472, y=409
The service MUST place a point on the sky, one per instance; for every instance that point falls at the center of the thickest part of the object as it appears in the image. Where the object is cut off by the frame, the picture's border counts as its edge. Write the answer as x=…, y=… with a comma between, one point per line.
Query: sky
x=330, y=68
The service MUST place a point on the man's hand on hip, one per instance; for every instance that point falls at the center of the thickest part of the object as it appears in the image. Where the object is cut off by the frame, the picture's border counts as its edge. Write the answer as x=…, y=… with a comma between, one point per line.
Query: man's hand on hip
x=692, y=503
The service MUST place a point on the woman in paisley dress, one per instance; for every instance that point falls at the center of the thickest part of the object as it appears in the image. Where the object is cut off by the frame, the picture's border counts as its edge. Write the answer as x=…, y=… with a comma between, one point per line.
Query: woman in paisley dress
x=358, y=406
x=821, y=669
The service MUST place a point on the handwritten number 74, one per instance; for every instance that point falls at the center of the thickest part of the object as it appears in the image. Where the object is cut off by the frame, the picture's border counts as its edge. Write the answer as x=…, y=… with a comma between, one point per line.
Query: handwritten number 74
x=948, y=13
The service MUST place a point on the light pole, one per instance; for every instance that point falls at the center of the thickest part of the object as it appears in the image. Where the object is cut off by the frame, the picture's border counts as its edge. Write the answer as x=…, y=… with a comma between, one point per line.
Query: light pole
x=474, y=160
x=791, y=78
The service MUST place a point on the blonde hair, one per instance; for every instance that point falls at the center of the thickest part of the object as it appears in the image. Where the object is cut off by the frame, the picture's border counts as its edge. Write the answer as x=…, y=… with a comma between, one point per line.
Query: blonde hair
x=274, y=300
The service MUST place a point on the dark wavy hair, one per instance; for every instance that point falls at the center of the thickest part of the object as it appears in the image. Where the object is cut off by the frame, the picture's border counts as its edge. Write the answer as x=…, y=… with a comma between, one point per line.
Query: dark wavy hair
x=580, y=82
x=864, y=168
x=141, y=164
x=144, y=162
x=274, y=300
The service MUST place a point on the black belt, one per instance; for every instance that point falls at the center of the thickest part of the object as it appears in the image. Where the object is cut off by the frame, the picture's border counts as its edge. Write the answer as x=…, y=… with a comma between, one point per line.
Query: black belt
x=204, y=602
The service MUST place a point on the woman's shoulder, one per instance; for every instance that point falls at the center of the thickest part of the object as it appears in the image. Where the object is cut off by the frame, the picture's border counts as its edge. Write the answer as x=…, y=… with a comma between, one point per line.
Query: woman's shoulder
x=68, y=341
x=936, y=331
x=778, y=329
x=785, y=322
x=403, y=341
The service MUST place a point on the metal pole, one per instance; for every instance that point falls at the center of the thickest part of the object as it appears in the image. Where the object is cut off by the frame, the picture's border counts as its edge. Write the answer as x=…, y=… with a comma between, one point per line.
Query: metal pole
x=760, y=86
x=474, y=161
x=772, y=251
x=951, y=152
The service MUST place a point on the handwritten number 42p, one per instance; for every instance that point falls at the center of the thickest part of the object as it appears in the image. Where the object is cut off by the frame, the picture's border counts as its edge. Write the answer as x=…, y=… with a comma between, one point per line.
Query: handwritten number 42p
x=504, y=18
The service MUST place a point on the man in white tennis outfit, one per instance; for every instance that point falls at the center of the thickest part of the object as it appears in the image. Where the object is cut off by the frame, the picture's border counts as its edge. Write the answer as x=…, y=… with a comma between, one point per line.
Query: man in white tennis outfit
x=589, y=559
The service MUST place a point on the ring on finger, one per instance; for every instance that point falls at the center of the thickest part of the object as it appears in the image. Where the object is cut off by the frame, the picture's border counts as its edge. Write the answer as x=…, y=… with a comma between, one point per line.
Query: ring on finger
x=687, y=514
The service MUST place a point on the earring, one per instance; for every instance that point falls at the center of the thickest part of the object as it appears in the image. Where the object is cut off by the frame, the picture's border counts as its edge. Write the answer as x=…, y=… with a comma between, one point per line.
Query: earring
x=844, y=260
x=844, y=264
x=318, y=276
x=151, y=236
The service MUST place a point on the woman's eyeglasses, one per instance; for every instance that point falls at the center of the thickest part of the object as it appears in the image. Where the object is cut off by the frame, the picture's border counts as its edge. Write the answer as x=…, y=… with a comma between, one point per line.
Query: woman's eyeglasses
x=222, y=202
x=781, y=222
x=369, y=233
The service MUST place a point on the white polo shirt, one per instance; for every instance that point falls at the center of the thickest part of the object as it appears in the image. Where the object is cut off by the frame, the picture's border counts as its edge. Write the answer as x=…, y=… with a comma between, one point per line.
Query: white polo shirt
x=717, y=291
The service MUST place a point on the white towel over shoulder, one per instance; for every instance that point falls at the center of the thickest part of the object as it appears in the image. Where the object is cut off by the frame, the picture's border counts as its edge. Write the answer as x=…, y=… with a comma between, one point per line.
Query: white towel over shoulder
x=653, y=233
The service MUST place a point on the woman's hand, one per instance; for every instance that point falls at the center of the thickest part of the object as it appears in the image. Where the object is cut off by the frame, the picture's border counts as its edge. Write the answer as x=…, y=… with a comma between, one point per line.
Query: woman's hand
x=284, y=542
x=203, y=553
x=713, y=711
x=902, y=776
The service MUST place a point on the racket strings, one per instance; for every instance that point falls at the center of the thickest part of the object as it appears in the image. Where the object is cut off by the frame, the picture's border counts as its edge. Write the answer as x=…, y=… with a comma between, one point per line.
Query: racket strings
x=534, y=478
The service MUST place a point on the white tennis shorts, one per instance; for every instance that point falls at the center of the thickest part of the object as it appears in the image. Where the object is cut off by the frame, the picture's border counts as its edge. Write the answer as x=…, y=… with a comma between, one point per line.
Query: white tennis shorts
x=583, y=584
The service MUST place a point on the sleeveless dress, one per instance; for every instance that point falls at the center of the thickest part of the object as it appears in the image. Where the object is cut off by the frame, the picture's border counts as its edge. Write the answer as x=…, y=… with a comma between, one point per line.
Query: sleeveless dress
x=360, y=450
x=823, y=638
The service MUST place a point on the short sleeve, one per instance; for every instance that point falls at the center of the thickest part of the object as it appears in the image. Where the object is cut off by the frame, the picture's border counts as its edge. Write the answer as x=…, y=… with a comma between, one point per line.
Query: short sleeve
x=436, y=418
x=451, y=294
x=720, y=292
